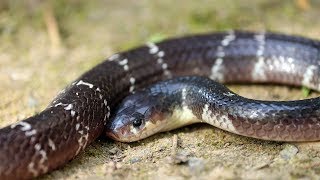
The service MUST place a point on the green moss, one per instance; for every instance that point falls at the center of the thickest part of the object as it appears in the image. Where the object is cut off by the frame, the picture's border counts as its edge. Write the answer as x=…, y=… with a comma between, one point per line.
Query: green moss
x=201, y=18
x=157, y=37
x=305, y=91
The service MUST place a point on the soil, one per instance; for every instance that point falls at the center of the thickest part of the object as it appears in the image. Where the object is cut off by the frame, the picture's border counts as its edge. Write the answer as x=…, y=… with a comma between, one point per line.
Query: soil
x=36, y=63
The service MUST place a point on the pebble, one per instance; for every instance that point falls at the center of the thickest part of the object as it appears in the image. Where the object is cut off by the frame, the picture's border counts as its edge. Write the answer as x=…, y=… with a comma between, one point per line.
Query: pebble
x=114, y=150
x=196, y=165
x=135, y=160
x=180, y=158
x=288, y=152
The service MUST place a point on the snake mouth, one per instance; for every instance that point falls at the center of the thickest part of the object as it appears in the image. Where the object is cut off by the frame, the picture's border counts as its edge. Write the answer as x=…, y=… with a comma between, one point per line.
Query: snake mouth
x=119, y=134
x=116, y=137
x=112, y=135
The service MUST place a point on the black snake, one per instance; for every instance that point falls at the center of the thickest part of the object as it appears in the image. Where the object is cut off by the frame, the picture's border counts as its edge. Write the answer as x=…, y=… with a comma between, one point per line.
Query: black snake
x=78, y=115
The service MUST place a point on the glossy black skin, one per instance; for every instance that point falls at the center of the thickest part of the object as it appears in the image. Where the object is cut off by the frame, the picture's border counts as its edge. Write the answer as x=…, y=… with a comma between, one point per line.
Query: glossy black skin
x=270, y=120
x=191, y=55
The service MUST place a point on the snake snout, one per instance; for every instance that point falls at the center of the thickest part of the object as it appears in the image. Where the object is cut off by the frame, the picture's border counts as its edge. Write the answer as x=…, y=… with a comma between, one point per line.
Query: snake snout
x=118, y=128
x=116, y=133
x=112, y=135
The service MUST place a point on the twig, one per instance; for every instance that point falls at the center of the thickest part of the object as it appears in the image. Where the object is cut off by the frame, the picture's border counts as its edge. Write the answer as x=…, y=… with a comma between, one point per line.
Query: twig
x=52, y=28
x=174, y=145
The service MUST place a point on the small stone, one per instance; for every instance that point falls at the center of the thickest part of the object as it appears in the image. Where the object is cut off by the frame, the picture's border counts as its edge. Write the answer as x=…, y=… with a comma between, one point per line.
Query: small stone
x=196, y=165
x=289, y=152
x=135, y=160
x=180, y=158
x=114, y=150
x=226, y=145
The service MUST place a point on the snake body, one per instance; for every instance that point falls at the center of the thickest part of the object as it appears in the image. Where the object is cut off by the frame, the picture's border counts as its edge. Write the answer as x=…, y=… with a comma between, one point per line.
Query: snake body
x=78, y=115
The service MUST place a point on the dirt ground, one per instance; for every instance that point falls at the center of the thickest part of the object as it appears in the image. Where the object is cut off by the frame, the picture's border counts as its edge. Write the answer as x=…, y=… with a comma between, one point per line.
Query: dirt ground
x=46, y=46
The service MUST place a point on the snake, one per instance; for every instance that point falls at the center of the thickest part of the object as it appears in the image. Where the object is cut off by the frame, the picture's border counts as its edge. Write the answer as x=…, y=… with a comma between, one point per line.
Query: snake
x=181, y=101
x=82, y=111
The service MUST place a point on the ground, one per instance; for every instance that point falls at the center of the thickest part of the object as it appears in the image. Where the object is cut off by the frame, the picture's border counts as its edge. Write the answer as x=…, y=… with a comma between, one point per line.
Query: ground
x=46, y=46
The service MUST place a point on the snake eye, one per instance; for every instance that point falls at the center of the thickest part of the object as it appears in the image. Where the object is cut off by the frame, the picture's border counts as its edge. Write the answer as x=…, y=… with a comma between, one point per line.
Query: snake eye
x=137, y=122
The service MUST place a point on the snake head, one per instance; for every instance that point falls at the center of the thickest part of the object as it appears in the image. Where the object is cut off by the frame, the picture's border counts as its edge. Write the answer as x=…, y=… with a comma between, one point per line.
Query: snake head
x=137, y=117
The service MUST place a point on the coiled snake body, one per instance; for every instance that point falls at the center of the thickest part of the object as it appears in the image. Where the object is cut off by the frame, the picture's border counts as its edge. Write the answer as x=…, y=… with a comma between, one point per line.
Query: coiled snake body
x=78, y=115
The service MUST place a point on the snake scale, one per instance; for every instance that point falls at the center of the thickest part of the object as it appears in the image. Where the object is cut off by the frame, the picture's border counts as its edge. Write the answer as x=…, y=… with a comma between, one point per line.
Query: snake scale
x=79, y=114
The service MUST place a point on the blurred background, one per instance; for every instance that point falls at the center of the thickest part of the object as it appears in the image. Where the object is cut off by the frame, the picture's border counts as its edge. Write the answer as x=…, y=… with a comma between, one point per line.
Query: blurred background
x=47, y=44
